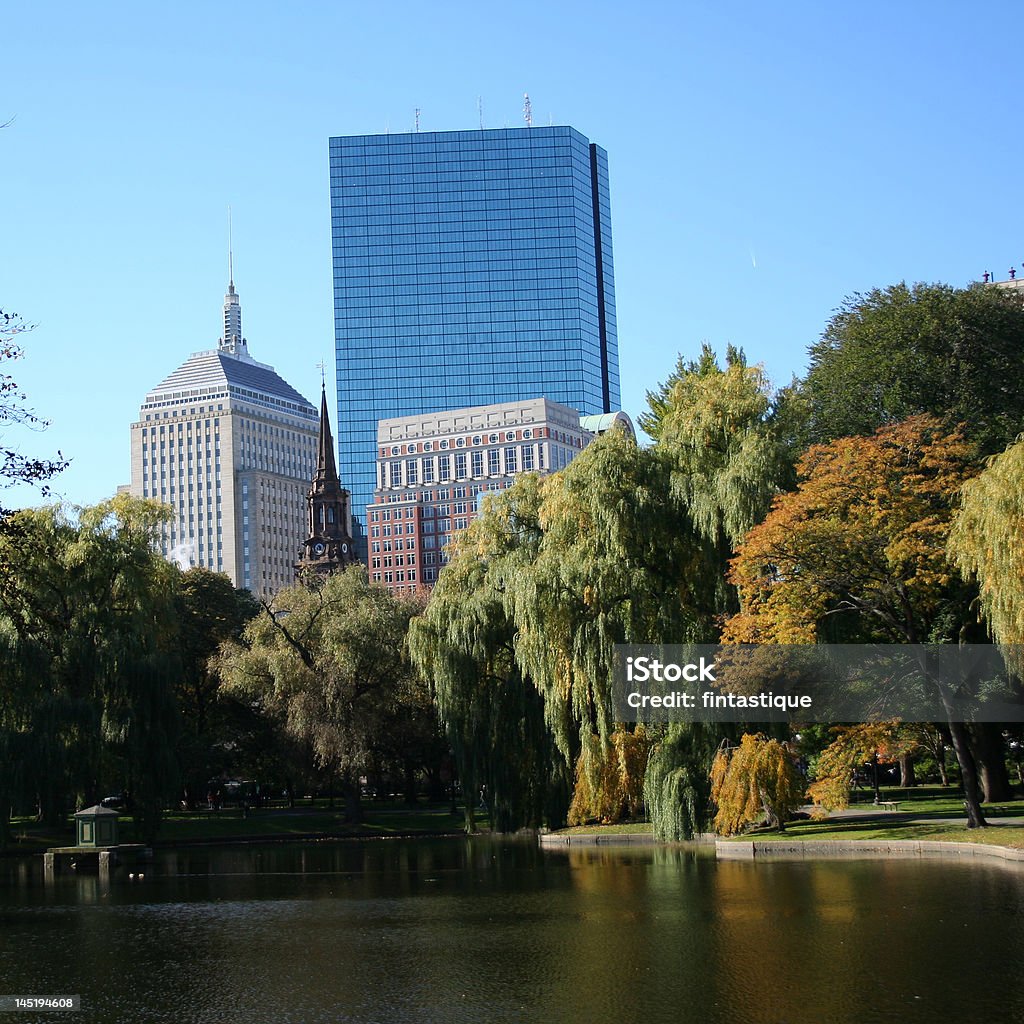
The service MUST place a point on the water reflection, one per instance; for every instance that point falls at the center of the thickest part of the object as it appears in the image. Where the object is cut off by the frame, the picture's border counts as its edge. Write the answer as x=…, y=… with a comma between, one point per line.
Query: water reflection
x=452, y=930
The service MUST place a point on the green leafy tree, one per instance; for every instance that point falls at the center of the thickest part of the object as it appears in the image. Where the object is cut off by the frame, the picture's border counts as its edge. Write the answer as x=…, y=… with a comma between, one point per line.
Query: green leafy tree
x=210, y=611
x=728, y=439
x=901, y=351
x=328, y=658
x=88, y=633
x=465, y=644
x=726, y=433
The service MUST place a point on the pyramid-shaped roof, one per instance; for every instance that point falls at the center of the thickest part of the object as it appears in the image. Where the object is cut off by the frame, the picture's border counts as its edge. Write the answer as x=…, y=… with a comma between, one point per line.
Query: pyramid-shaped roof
x=218, y=371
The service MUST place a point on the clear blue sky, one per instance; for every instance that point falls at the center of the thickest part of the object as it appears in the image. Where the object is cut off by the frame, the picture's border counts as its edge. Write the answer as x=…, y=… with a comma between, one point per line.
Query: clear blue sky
x=765, y=161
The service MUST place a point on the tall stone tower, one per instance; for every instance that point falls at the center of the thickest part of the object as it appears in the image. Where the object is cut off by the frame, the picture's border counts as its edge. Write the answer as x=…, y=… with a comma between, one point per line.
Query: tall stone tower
x=328, y=546
x=230, y=446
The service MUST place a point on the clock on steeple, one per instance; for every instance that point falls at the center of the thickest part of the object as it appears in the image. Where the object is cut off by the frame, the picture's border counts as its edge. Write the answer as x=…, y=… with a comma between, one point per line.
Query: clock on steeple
x=328, y=546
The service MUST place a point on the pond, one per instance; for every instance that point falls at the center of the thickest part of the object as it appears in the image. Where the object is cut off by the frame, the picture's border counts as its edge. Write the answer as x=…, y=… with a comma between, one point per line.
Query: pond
x=489, y=930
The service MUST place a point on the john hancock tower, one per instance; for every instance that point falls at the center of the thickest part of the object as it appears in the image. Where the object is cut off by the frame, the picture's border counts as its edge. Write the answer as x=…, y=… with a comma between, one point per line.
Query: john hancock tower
x=470, y=268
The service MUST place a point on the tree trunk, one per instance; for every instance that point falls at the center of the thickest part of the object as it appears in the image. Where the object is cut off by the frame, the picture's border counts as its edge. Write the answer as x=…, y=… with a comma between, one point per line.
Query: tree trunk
x=907, y=777
x=469, y=803
x=987, y=745
x=969, y=774
x=409, y=777
x=940, y=760
x=353, y=808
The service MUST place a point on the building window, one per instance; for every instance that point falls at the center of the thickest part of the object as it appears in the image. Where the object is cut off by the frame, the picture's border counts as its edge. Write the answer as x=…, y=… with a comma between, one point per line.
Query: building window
x=478, y=463
x=511, y=461
x=493, y=459
x=411, y=472
x=527, y=457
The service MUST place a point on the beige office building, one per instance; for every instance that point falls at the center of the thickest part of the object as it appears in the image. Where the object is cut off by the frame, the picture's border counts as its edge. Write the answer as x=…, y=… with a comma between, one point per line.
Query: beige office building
x=435, y=469
x=231, y=448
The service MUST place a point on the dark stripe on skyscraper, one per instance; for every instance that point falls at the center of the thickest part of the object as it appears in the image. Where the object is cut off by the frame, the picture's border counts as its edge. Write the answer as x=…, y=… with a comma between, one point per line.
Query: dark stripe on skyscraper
x=599, y=263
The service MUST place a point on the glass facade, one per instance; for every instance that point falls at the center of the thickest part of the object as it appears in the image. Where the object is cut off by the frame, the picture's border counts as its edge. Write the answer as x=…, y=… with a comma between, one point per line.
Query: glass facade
x=470, y=268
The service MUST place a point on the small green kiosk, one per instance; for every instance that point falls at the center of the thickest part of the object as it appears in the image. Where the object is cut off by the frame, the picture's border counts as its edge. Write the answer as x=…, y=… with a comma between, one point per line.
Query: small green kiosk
x=95, y=837
x=96, y=826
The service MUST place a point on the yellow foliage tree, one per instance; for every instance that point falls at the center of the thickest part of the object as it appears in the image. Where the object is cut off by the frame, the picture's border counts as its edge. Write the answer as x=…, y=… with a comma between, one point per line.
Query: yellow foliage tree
x=610, y=782
x=755, y=781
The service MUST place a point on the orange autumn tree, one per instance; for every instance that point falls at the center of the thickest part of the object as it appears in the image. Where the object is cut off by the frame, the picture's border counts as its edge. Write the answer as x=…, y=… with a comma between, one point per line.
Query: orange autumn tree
x=854, y=746
x=857, y=553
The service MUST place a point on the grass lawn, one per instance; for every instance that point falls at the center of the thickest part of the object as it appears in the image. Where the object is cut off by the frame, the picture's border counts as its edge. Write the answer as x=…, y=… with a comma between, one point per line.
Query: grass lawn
x=278, y=823
x=626, y=828
x=872, y=828
x=928, y=814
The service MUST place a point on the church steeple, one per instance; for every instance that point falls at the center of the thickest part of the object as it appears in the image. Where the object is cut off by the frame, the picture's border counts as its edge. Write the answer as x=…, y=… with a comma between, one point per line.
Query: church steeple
x=329, y=545
x=326, y=466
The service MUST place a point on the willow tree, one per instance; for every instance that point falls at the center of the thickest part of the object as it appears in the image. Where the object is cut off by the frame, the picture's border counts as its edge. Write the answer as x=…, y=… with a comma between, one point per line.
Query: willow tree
x=618, y=562
x=985, y=542
x=757, y=780
x=464, y=645
x=87, y=624
x=726, y=436
x=328, y=659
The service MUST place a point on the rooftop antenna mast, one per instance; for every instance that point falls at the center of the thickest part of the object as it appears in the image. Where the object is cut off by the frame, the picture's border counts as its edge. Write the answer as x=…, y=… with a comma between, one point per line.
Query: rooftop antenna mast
x=527, y=110
x=417, y=119
x=231, y=259
x=480, y=110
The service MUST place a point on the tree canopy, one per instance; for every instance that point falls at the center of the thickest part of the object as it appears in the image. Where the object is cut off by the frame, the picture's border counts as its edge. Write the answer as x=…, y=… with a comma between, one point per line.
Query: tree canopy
x=857, y=554
x=858, y=551
x=901, y=351
x=87, y=636
x=328, y=658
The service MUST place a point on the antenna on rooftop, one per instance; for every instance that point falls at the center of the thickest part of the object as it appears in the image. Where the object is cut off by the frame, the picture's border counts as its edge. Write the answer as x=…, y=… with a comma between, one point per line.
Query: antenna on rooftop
x=323, y=373
x=417, y=119
x=527, y=110
x=480, y=110
x=231, y=259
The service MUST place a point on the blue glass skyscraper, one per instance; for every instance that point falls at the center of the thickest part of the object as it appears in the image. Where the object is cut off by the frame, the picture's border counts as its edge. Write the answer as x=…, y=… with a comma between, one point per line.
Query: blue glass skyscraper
x=470, y=268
